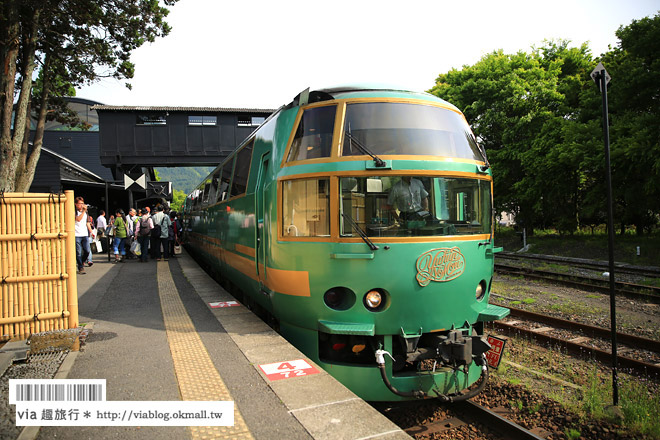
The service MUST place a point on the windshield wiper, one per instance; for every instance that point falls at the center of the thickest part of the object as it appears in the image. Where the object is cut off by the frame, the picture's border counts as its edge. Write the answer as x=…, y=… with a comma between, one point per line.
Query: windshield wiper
x=377, y=160
x=360, y=232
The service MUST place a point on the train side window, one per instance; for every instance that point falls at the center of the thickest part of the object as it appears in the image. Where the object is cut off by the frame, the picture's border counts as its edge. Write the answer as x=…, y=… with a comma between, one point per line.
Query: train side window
x=205, y=196
x=225, y=179
x=313, y=138
x=242, y=170
x=305, y=208
x=211, y=195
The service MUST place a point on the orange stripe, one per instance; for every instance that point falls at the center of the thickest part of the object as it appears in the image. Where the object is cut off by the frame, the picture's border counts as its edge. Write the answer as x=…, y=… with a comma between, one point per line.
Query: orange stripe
x=249, y=251
x=288, y=282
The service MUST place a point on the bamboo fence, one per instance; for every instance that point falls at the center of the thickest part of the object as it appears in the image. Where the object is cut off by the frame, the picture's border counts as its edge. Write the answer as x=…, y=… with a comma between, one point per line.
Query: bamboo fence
x=38, y=286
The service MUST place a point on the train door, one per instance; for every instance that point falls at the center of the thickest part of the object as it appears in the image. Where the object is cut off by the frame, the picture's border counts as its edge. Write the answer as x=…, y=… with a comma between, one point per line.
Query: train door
x=262, y=228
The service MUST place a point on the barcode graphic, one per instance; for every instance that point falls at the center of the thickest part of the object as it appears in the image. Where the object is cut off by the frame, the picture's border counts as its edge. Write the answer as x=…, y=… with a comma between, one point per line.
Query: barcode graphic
x=74, y=390
x=58, y=392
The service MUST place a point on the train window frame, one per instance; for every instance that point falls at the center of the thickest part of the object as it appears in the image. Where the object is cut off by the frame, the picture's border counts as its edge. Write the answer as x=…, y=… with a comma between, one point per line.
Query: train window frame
x=315, y=223
x=327, y=149
x=241, y=170
x=225, y=180
x=459, y=136
x=211, y=194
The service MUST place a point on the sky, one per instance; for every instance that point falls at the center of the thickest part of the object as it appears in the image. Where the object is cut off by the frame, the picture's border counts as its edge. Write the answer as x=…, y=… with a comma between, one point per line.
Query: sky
x=260, y=54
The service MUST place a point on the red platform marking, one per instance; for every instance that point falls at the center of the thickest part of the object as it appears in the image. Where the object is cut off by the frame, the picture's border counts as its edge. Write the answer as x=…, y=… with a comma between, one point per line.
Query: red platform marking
x=217, y=305
x=287, y=369
x=494, y=355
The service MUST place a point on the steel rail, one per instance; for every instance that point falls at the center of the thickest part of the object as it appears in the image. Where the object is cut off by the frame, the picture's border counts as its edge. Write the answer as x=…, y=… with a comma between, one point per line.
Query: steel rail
x=502, y=425
x=470, y=412
x=588, y=283
x=649, y=271
x=581, y=349
x=599, y=332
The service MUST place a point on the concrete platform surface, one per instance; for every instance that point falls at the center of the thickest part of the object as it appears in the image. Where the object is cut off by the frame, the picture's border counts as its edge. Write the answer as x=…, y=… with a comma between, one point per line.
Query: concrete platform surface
x=156, y=337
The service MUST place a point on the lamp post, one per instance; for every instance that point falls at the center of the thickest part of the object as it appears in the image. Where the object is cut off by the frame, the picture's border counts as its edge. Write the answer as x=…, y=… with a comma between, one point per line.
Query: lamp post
x=602, y=78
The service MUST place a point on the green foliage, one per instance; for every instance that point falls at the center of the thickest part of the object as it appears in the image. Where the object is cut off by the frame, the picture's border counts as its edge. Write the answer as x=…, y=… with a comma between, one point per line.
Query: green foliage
x=641, y=409
x=70, y=43
x=184, y=179
x=572, y=434
x=179, y=197
x=538, y=115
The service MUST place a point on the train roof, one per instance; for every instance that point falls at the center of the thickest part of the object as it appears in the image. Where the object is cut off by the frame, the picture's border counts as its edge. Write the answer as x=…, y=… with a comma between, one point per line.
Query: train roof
x=362, y=90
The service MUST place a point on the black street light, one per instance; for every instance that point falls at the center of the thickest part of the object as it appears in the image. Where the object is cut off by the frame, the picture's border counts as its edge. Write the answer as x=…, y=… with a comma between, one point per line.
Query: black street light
x=602, y=78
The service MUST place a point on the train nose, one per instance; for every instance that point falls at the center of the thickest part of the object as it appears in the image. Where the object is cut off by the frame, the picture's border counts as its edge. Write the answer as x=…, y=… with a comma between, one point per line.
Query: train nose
x=454, y=347
x=459, y=349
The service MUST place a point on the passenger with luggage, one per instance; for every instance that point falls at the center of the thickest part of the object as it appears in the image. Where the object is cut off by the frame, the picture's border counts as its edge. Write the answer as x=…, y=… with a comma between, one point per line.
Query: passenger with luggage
x=160, y=232
x=120, y=233
x=82, y=233
x=143, y=234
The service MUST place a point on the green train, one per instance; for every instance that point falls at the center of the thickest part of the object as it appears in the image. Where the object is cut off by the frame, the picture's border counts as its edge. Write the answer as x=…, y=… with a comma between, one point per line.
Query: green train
x=359, y=219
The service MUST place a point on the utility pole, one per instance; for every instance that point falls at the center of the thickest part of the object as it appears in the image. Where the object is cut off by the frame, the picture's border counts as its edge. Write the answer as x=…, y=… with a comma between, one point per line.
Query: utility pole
x=602, y=78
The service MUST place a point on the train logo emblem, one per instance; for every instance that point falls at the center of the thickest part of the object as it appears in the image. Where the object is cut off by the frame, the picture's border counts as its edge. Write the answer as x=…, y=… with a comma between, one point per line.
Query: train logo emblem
x=443, y=264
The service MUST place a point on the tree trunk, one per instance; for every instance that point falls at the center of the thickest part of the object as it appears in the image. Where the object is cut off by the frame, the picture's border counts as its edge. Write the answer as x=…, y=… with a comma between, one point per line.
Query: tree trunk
x=25, y=177
x=9, y=38
x=23, y=104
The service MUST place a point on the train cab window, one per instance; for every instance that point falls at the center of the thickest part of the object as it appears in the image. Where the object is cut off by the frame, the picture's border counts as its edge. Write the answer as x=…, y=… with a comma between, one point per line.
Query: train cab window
x=387, y=128
x=305, y=208
x=205, y=196
x=211, y=192
x=196, y=199
x=313, y=138
x=400, y=206
x=242, y=170
x=225, y=179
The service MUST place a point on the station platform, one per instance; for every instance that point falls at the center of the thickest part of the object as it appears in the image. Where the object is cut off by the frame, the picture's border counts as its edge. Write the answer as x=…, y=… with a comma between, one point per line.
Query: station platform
x=166, y=331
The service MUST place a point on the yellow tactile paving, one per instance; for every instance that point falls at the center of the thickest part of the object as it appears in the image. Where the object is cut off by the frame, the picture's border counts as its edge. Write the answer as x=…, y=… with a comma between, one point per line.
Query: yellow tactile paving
x=197, y=377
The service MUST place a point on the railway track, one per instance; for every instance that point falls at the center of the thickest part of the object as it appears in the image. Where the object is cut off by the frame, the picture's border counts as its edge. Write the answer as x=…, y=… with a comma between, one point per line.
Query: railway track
x=629, y=290
x=487, y=423
x=644, y=271
x=584, y=342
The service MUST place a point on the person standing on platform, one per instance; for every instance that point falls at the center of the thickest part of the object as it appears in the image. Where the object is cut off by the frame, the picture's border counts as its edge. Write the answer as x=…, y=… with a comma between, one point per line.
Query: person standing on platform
x=101, y=224
x=131, y=232
x=160, y=233
x=90, y=239
x=121, y=232
x=82, y=234
x=130, y=220
x=143, y=234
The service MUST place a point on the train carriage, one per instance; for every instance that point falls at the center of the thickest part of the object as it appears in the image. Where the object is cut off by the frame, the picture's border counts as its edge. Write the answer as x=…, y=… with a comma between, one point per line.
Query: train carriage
x=360, y=219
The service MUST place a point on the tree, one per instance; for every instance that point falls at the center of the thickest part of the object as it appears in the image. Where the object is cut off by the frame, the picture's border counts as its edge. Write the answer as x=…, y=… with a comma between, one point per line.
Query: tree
x=634, y=107
x=70, y=43
x=520, y=107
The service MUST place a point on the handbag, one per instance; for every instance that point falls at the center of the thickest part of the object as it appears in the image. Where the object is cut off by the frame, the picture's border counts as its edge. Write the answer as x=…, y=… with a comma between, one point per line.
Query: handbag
x=177, y=249
x=135, y=248
x=99, y=246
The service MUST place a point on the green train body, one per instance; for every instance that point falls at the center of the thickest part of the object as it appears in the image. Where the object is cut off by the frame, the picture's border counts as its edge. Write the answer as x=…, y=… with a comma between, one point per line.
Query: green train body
x=300, y=219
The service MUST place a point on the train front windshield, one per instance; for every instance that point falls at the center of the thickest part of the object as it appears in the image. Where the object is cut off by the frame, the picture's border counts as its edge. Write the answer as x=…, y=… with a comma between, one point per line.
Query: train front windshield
x=388, y=128
x=388, y=206
x=392, y=206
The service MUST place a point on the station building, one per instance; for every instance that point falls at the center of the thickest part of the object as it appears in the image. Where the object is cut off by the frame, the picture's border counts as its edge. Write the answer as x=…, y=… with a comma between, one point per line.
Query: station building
x=131, y=141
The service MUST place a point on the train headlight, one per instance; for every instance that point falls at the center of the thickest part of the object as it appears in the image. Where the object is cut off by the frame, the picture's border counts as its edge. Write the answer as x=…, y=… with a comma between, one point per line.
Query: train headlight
x=481, y=290
x=375, y=300
x=339, y=298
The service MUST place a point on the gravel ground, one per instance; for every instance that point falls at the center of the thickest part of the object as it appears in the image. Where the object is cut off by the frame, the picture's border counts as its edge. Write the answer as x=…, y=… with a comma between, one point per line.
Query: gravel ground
x=587, y=307
x=555, y=392
x=42, y=366
x=526, y=408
